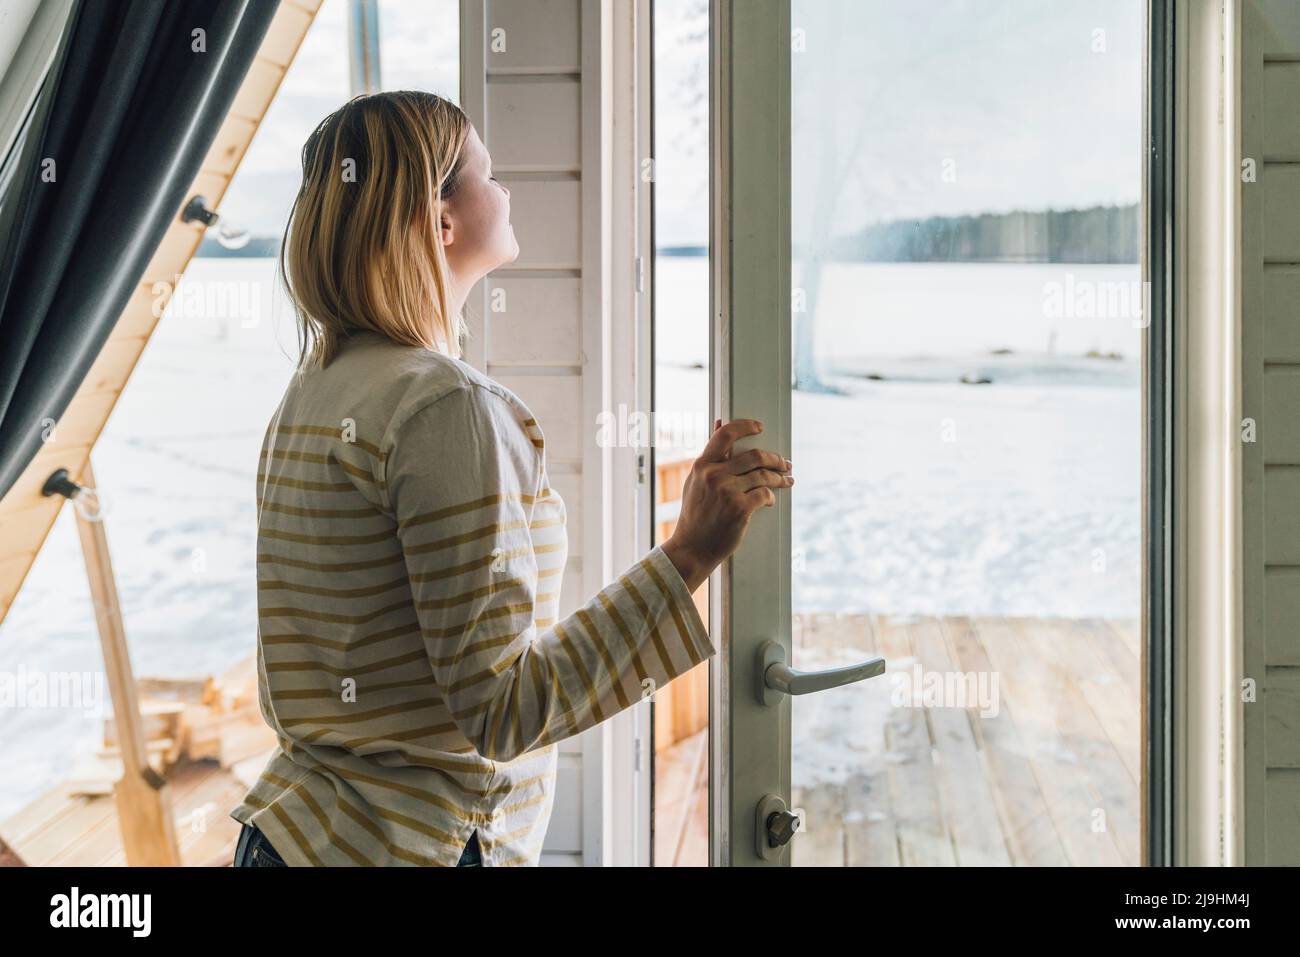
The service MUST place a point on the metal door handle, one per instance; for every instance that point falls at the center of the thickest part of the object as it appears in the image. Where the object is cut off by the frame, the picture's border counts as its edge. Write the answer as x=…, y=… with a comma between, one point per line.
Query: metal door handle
x=777, y=678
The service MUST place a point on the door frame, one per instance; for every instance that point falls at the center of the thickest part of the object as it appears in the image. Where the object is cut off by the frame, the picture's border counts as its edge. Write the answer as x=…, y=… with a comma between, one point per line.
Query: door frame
x=749, y=297
x=626, y=31
x=1207, y=763
x=1159, y=439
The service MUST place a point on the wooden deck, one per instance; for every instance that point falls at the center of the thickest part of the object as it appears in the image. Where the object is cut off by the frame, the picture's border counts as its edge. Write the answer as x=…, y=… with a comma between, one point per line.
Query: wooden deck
x=62, y=829
x=1051, y=778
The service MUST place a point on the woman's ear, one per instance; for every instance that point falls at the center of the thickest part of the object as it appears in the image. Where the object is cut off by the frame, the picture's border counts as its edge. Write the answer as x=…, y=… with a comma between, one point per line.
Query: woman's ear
x=446, y=230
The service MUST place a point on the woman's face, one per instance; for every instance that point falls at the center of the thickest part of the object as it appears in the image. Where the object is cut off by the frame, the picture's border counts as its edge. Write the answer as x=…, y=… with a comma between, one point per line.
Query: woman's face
x=476, y=233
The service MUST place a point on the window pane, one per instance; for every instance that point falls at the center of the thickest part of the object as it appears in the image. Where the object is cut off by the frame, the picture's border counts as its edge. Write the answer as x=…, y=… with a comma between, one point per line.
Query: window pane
x=966, y=429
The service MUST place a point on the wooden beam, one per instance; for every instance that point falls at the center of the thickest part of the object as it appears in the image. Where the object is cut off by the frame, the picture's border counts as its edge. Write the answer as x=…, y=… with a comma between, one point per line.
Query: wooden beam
x=144, y=810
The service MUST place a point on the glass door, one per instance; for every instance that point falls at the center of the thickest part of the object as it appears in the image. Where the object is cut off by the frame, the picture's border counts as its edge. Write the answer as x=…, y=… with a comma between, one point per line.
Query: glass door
x=926, y=244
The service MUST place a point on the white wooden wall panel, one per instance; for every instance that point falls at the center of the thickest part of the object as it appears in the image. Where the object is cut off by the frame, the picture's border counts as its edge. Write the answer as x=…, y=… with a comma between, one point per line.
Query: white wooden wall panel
x=534, y=123
x=1281, y=612
x=543, y=35
x=1280, y=185
x=542, y=325
x=1282, y=400
x=565, y=833
x=1281, y=331
x=1282, y=525
x=1270, y=281
x=533, y=84
x=542, y=212
x=1281, y=89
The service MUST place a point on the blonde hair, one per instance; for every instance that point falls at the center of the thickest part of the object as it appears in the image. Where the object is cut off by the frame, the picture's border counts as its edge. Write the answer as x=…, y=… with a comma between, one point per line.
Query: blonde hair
x=361, y=248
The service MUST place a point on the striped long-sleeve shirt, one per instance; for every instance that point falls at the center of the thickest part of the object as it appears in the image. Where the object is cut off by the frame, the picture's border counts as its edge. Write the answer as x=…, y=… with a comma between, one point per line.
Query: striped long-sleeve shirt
x=409, y=558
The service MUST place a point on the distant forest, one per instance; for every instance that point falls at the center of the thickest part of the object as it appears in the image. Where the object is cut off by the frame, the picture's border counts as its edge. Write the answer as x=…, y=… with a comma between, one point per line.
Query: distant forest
x=1100, y=234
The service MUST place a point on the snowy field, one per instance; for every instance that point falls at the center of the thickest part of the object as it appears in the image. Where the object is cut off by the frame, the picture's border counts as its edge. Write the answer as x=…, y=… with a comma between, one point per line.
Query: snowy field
x=916, y=493
x=925, y=497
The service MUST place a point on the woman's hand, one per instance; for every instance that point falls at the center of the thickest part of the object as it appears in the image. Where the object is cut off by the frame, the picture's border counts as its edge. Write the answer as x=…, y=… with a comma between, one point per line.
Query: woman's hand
x=721, y=492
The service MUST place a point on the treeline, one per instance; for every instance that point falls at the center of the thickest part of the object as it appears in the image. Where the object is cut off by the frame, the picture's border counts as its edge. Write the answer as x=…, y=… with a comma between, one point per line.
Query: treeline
x=1100, y=234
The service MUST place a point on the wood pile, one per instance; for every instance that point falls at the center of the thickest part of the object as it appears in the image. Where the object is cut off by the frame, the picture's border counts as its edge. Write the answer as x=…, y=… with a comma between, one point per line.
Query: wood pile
x=214, y=719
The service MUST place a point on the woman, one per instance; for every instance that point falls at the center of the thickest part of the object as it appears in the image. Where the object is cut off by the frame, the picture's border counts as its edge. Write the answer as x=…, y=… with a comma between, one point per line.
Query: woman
x=410, y=546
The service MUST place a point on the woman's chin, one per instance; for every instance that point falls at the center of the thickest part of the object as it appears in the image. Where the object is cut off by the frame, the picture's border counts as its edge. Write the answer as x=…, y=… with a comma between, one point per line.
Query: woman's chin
x=506, y=260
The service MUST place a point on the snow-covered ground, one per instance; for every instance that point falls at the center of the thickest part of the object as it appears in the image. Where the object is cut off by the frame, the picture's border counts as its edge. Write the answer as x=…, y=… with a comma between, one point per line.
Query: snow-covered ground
x=919, y=494
x=915, y=494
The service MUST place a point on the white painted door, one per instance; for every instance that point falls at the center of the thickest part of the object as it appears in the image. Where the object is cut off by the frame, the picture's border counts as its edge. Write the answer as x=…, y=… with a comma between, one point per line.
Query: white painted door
x=927, y=284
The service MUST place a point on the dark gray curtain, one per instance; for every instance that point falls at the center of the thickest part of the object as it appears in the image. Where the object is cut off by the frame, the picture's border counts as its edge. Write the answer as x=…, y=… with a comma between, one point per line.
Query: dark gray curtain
x=130, y=110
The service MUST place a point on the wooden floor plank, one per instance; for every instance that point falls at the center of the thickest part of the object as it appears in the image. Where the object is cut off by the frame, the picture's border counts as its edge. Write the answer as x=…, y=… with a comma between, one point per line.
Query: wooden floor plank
x=821, y=842
x=870, y=827
x=865, y=833
x=85, y=815
x=962, y=775
x=1022, y=807
x=83, y=831
x=1130, y=631
x=961, y=771
x=96, y=844
x=838, y=777
x=1113, y=701
x=1112, y=645
x=45, y=812
x=924, y=836
x=1109, y=809
x=1073, y=675
x=694, y=848
x=676, y=771
x=819, y=797
x=1031, y=682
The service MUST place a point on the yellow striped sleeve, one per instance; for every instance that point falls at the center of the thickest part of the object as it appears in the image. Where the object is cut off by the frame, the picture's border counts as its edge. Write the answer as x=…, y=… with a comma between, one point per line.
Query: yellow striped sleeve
x=462, y=475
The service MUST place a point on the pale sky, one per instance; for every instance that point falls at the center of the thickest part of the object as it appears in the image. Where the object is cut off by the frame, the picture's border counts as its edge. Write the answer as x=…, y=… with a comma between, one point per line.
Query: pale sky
x=910, y=108
x=419, y=49
x=916, y=108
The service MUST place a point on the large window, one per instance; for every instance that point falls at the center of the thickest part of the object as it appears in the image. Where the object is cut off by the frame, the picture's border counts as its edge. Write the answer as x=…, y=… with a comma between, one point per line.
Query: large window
x=177, y=461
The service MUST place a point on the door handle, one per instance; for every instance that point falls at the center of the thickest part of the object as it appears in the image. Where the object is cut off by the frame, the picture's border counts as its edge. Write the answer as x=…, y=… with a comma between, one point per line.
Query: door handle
x=777, y=678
